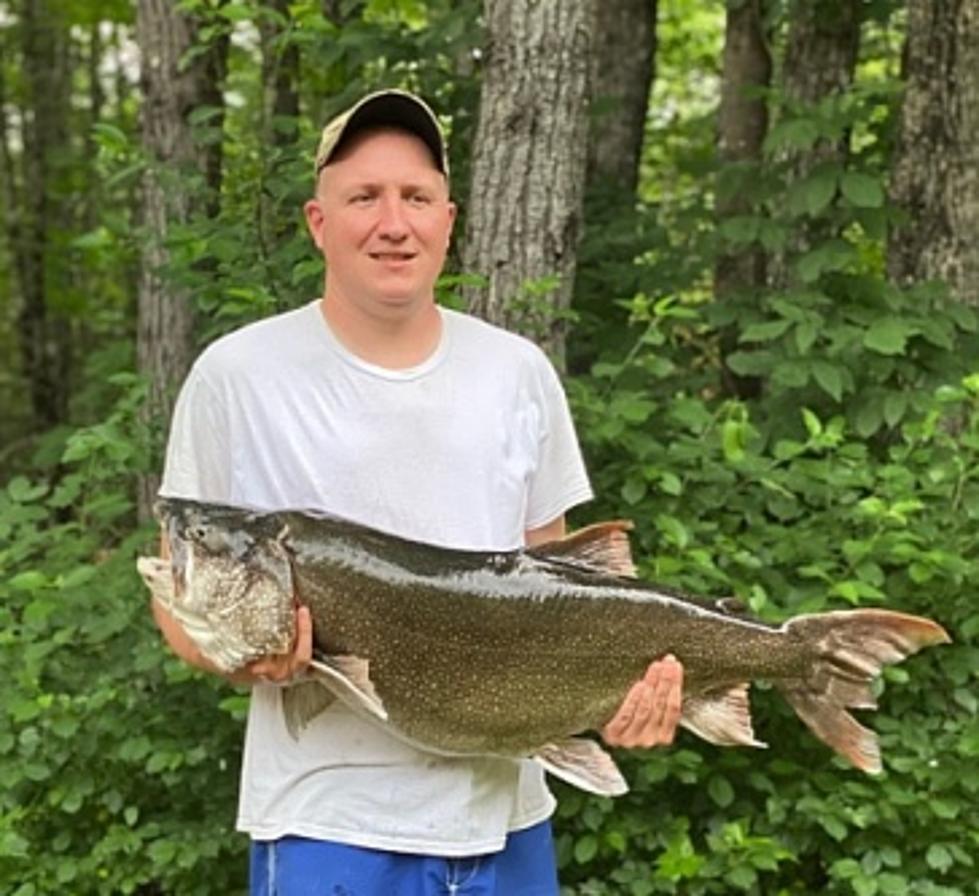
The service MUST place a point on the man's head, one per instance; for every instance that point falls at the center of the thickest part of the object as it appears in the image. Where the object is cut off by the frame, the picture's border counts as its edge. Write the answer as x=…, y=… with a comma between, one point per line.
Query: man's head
x=381, y=215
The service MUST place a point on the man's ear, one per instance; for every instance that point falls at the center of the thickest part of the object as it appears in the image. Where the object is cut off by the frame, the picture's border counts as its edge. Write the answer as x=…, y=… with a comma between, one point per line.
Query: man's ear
x=313, y=212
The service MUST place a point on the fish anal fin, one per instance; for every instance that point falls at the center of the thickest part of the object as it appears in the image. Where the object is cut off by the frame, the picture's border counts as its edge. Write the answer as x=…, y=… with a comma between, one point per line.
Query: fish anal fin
x=721, y=717
x=302, y=702
x=584, y=764
x=349, y=678
x=603, y=547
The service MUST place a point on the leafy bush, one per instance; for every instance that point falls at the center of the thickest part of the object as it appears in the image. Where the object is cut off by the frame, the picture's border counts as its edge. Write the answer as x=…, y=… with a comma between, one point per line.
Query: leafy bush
x=791, y=525
x=118, y=763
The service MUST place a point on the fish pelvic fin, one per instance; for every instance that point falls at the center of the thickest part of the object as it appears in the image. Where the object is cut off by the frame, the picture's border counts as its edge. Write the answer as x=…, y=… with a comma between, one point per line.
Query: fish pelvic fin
x=721, y=717
x=584, y=764
x=603, y=547
x=851, y=647
x=302, y=702
x=348, y=677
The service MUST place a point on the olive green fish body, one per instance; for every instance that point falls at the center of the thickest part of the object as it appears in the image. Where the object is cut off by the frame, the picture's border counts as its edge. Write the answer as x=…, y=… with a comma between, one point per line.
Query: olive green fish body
x=510, y=653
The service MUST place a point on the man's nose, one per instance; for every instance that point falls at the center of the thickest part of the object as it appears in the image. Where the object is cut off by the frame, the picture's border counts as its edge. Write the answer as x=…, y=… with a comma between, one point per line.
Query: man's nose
x=393, y=224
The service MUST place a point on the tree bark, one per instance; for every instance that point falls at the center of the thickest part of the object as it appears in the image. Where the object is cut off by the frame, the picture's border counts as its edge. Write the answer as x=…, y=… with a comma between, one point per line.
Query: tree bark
x=622, y=74
x=172, y=191
x=819, y=62
x=935, y=170
x=280, y=112
x=528, y=168
x=44, y=335
x=742, y=125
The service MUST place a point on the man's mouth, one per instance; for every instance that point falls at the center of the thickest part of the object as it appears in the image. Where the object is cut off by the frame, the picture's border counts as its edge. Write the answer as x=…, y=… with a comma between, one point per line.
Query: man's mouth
x=389, y=257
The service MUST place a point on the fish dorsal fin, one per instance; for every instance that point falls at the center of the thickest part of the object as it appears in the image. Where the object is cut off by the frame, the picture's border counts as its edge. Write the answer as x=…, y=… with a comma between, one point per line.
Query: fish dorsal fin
x=731, y=606
x=603, y=547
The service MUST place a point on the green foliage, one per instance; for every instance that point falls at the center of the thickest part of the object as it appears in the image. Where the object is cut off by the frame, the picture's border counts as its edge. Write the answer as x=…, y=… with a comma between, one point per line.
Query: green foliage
x=852, y=479
x=117, y=763
x=790, y=525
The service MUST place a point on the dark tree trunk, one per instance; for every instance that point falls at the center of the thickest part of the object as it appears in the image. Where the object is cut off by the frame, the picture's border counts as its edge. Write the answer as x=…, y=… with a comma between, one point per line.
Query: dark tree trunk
x=622, y=74
x=820, y=59
x=180, y=171
x=934, y=176
x=280, y=74
x=524, y=215
x=280, y=111
x=742, y=125
x=44, y=335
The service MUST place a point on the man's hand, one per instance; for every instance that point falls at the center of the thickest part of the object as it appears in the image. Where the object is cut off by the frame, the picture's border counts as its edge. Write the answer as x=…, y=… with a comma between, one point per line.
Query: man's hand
x=651, y=710
x=284, y=667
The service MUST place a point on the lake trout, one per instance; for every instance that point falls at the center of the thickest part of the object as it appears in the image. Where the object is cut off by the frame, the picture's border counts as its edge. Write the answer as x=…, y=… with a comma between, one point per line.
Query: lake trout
x=507, y=653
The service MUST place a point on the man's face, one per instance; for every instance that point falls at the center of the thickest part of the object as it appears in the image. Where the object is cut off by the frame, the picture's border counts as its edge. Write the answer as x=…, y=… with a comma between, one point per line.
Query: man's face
x=382, y=219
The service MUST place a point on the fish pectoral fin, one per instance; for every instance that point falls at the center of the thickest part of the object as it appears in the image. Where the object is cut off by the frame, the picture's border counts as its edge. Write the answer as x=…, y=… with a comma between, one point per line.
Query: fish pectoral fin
x=584, y=764
x=603, y=547
x=302, y=702
x=721, y=717
x=349, y=678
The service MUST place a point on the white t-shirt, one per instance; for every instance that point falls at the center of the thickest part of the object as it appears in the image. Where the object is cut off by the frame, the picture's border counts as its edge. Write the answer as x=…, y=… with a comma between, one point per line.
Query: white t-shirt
x=468, y=450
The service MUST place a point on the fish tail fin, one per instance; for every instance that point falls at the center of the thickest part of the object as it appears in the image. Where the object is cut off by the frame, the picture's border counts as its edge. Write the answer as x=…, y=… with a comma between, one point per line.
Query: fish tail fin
x=850, y=649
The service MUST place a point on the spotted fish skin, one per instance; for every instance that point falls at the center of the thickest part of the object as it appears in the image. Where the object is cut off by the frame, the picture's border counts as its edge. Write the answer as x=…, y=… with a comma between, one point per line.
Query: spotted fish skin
x=512, y=653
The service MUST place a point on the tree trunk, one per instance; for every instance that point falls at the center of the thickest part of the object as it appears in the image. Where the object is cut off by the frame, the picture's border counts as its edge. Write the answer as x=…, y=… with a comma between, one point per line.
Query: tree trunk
x=280, y=73
x=529, y=158
x=935, y=171
x=44, y=335
x=742, y=125
x=280, y=112
x=819, y=62
x=622, y=74
x=172, y=190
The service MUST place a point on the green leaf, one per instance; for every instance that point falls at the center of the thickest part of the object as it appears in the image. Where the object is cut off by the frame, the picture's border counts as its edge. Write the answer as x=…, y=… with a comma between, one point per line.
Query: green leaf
x=29, y=580
x=585, y=849
x=764, y=331
x=895, y=407
x=750, y=363
x=634, y=490
x=820, y=188
x=813, y=425
x=733, y=439
x=829, y=377
x=720, y=791
x=864, y=886
x=862, y=190
x=887, y=336
x=805, y=336
x=939, y=858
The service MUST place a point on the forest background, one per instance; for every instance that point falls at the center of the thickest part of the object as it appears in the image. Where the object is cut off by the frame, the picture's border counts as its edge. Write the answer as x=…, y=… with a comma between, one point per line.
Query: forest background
x=746, y=233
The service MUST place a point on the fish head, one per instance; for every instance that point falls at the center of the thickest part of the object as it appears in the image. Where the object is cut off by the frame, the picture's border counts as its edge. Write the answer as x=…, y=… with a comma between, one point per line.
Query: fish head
x=232, y=580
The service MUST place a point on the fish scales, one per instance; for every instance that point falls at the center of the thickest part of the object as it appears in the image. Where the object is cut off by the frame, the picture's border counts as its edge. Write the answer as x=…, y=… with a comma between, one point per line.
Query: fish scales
x=507, y=653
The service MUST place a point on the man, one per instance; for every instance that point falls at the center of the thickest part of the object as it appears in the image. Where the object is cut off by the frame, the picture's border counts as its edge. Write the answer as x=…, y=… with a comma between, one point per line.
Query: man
x=374, y=404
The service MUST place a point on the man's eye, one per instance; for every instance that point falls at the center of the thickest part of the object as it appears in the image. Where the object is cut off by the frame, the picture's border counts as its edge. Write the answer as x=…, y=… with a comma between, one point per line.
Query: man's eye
x=419, y=199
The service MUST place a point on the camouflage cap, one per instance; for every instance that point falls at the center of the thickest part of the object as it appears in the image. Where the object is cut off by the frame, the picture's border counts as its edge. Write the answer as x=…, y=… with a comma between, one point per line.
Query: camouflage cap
x=397, y=108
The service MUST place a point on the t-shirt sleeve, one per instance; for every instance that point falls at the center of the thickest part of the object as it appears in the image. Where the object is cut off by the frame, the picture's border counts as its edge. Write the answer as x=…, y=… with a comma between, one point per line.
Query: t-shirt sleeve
x=560, y=480
x=198, y=458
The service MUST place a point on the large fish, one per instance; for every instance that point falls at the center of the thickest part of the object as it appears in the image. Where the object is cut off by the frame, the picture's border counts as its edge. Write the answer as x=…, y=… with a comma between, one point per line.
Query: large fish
x=511, y=652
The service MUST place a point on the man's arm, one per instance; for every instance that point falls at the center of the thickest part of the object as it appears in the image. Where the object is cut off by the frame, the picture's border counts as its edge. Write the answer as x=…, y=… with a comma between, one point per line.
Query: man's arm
x=650, y=713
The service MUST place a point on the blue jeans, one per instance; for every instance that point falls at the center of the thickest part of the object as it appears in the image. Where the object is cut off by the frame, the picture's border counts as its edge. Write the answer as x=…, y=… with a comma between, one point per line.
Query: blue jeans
x=294, y=866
